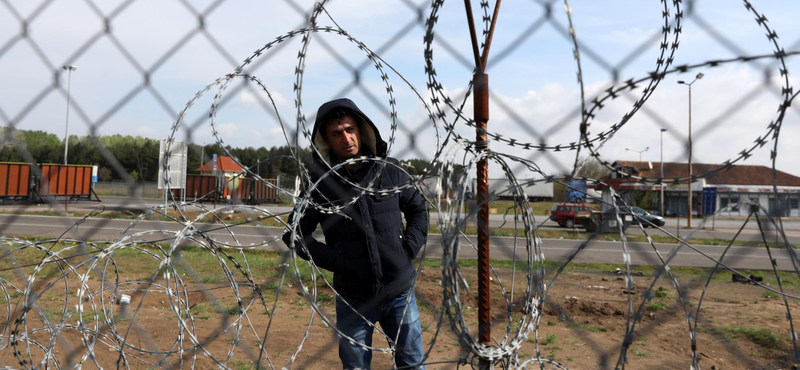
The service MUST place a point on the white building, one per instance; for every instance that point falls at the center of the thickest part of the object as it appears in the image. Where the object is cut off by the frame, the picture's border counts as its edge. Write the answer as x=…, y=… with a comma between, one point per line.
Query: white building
x=739, y=183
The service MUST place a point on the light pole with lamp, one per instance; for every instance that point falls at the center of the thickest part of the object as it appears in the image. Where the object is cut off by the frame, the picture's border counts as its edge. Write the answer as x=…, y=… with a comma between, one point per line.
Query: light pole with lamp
x=69, y=68
x=689, y=216
x=663, y=130
x=638, y=151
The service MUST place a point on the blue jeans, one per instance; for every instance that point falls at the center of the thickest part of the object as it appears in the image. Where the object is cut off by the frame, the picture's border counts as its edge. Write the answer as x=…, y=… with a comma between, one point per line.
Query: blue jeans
x=409, y=351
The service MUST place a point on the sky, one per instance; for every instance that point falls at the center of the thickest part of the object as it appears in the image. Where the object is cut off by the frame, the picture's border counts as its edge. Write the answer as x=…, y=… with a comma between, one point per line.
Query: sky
x=140, y=62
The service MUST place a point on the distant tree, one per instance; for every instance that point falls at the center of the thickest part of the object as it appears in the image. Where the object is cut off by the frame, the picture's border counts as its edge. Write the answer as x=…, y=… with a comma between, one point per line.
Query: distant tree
x=120, y=156
x=647, y=199
x=40, y=146
x=104, y=174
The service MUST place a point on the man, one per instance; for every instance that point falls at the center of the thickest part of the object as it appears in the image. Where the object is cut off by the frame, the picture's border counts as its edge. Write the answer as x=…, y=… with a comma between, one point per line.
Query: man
x=369, y=251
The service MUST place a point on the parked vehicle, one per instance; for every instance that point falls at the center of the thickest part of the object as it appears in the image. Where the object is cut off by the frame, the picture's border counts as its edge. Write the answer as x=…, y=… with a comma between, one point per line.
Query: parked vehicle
x=604, y=222
x=564, y=213
x=647, y=218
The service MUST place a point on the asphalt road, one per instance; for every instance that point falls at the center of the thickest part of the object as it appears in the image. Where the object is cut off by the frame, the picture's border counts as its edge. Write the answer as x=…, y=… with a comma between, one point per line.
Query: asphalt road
x=724, y=229
x=501, y=247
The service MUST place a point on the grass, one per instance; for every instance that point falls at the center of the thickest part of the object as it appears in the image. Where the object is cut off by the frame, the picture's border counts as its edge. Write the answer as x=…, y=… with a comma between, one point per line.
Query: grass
x=242, y=365
x=137, y=263
x=588, y=327
x=658, y=305
x=763, y=337
x=549, y=339
x=204, y=311
x=771, y=295
x=201, y=311
x=581, y=234
x=663, y=293
x=538, y=208
x=140, y=263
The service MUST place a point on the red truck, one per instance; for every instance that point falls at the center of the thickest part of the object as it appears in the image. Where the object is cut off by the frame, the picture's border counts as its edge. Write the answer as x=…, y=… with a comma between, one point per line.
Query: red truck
x=564, y=213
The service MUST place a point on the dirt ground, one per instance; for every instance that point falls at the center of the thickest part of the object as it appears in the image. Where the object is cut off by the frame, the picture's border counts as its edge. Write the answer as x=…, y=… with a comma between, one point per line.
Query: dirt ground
x=582, y=326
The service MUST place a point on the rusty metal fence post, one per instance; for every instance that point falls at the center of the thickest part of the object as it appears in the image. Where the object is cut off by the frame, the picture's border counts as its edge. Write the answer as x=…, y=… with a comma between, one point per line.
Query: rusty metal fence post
x=481, y=117
x=484, y=287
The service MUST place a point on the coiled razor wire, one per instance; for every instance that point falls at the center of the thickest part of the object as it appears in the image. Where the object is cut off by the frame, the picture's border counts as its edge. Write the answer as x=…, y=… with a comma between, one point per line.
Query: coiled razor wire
x=36, y=335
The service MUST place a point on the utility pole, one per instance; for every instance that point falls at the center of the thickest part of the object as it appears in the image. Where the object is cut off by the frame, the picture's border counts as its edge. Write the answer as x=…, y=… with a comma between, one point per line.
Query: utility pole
x=69, y=68
x=662, y=172
x=689, y=182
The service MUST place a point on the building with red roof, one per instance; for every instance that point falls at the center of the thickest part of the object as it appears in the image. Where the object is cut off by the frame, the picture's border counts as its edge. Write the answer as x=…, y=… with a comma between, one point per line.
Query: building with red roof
x=224, y=165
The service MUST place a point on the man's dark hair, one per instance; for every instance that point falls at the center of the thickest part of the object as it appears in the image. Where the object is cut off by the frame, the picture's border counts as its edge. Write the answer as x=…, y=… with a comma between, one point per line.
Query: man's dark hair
x=335, y=115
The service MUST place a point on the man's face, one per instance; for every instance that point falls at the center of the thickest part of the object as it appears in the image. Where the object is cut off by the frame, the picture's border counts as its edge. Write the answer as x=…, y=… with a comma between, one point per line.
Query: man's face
x=344, y=138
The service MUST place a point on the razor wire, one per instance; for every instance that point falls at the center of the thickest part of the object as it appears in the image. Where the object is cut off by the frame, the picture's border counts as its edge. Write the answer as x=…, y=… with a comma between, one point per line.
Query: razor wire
x=97, y=326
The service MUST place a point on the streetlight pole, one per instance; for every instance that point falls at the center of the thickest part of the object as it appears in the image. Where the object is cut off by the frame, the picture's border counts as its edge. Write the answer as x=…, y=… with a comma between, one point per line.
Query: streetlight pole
x=689, y=182
x=69, y=68
x=662, y=171
x=638, y=151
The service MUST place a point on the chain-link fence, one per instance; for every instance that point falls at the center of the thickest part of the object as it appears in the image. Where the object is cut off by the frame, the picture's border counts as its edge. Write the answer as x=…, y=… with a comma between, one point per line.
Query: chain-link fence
x=578, y=92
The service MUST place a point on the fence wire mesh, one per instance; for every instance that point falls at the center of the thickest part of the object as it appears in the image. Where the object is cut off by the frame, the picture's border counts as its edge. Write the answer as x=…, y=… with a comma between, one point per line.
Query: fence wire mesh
x=576, y=87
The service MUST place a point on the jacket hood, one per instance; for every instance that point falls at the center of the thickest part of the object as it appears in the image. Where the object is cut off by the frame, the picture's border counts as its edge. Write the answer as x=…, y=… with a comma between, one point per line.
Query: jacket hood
x=370, y=136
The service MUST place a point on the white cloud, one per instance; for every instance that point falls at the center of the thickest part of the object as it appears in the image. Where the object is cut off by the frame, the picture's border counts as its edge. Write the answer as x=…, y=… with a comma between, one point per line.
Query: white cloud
x=227, y=130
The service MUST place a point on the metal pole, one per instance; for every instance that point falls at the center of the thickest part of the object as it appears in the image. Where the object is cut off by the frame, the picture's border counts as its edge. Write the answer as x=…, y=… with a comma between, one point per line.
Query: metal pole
x=164, y=193
x=714, y=222
x=689, y=181
x=481, y=111
x=66, y=130
x=69, y=91
x=662, y=172
x=278, y=187
x=481, y=105
x=689, y=216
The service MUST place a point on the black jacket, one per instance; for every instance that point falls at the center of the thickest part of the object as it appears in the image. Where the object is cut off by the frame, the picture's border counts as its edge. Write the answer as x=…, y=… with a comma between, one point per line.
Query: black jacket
x=370, y=254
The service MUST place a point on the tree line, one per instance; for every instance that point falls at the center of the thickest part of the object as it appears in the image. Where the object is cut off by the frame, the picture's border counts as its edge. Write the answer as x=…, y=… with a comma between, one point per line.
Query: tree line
x=135, y=155
x=138, y=156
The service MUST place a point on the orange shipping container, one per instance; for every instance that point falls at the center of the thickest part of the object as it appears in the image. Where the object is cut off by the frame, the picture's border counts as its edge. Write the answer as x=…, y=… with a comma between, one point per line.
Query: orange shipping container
x=15, y=179
x=65, y=180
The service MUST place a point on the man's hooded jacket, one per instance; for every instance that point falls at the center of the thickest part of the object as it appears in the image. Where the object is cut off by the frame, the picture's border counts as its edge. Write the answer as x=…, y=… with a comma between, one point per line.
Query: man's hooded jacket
x=370, y=253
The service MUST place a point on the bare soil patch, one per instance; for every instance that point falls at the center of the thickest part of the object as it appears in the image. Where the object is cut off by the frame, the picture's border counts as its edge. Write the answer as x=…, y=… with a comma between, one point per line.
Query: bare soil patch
x=582, y=324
